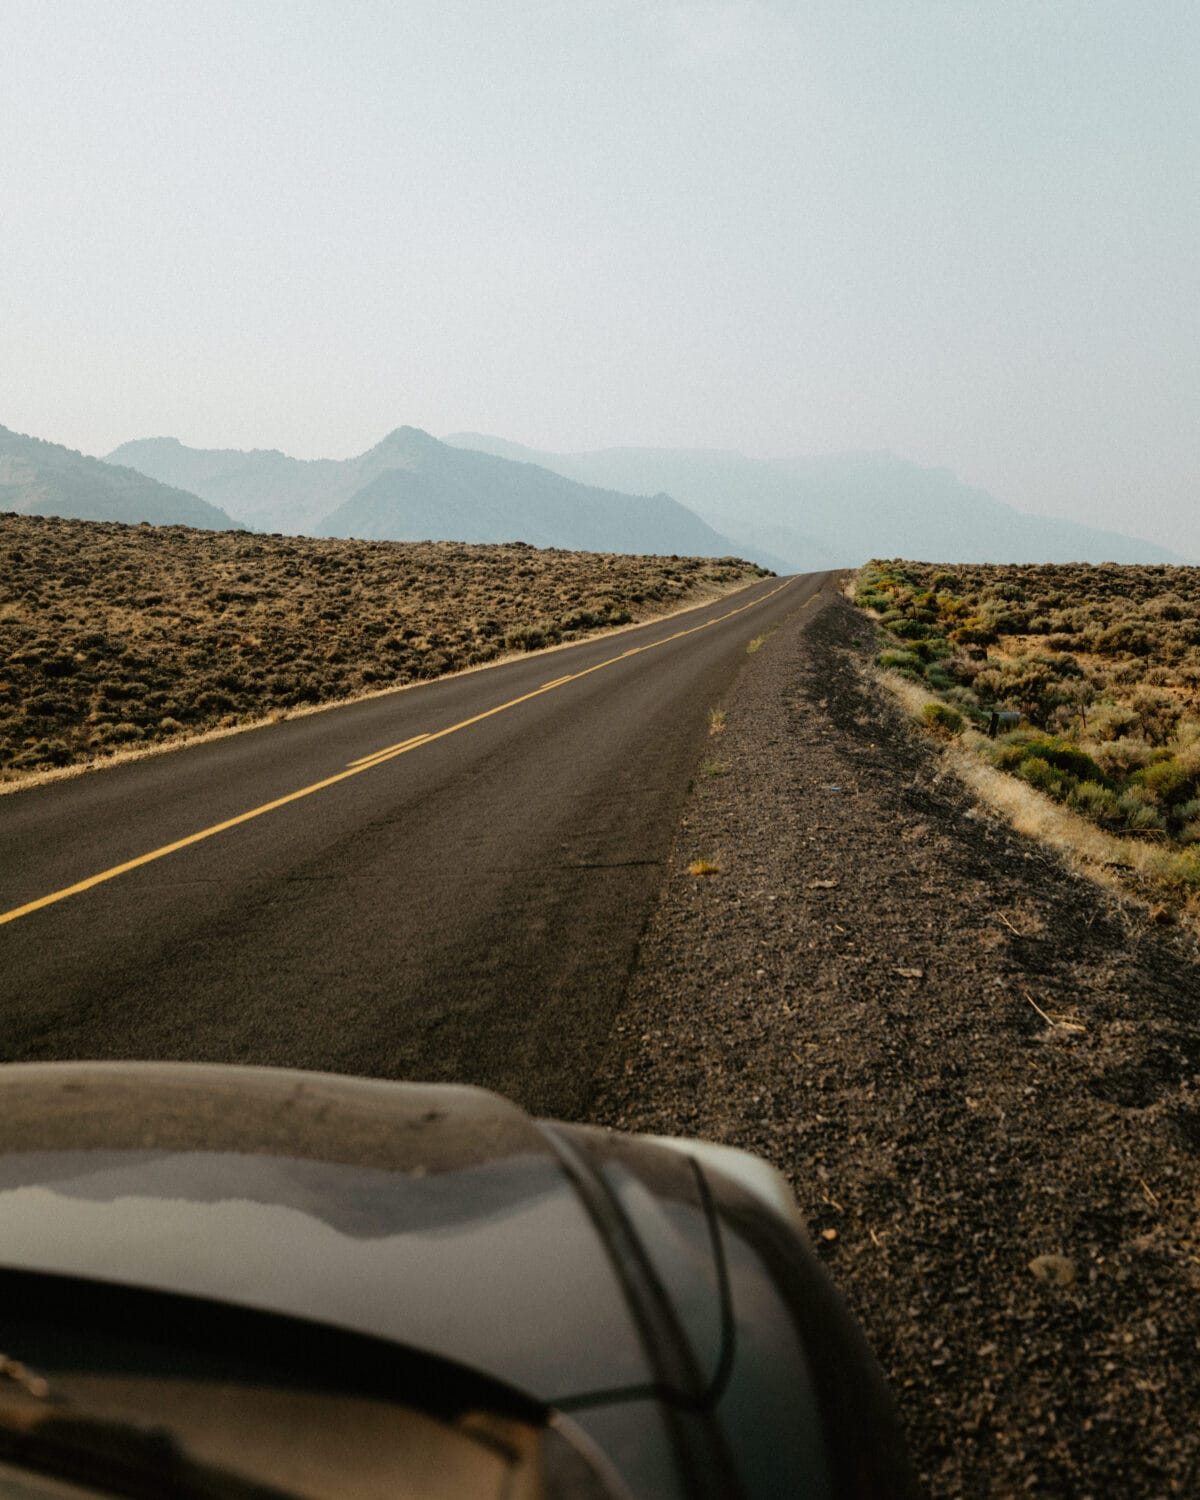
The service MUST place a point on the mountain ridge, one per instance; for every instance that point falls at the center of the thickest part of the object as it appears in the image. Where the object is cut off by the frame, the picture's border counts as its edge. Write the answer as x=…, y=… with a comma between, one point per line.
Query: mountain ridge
x=41, y=478
x=835, y=510
x=410, y=486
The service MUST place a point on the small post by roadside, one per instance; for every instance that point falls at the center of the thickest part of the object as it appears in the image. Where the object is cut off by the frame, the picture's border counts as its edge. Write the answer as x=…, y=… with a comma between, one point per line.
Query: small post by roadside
x=1002, y=720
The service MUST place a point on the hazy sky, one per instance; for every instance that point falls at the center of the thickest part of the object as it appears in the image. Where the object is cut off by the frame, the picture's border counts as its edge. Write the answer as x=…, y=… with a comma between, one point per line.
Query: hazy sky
x=964, y=231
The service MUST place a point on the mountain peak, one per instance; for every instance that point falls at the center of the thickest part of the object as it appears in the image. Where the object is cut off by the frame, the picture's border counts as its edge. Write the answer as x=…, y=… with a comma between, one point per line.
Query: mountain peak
x=406, y=441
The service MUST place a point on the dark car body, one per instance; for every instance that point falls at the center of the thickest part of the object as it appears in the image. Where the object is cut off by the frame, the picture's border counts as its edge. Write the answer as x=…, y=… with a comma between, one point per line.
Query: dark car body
x=254, y=1260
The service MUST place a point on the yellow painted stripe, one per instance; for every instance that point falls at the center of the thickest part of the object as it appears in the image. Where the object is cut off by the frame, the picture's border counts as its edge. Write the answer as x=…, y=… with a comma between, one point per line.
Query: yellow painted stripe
x=389, y=750
x=366, y=763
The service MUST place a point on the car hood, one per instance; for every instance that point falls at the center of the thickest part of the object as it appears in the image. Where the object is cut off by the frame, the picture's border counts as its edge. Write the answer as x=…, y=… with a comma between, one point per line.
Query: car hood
x=438, y=1217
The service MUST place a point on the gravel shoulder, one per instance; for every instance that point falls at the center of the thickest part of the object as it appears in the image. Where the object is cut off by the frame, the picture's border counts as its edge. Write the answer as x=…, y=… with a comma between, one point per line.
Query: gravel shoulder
x=980, y=1072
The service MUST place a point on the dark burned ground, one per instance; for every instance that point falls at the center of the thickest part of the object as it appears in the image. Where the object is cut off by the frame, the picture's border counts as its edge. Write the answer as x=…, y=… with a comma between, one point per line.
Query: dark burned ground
x=851, y=997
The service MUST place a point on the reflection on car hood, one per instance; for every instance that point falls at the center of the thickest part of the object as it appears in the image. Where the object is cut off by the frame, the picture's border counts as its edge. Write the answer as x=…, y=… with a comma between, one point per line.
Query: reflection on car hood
x=437, y=1217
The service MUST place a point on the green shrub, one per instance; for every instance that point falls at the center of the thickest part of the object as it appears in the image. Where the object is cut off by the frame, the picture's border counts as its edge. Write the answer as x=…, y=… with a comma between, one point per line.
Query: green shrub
x=1169, y=782
x=1064, y=757
x=1040, y=774
x=973, y=633
x=932, y=648
x=1139, y=818
x=1095, y=801
x=941, y=717
x=1016, y=749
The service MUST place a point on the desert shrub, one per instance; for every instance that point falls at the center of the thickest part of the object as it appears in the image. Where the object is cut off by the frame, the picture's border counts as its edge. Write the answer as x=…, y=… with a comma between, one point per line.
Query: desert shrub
x=1036, y=685
x=1063, y=637
x=961, y=668
x=932, y=648
x=901, y=661
x=1139, y=814
x=1040, y=774
x=1157, y=715
x=943, y=718
x=1002, y=621
x=528, y=638
x=1170, y=783
x=1109, y=721
x=1125, y=637
x=1066, y=757
x=1185, y=870
x=1095, y=801
x=973, y=632
x=1120, y=757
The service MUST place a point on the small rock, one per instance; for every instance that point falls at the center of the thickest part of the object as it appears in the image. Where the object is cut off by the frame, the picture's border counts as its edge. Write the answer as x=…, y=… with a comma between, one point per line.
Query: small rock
x=910, y=973
x=1054, y=1270
x=829, y=1234
x=821, y=885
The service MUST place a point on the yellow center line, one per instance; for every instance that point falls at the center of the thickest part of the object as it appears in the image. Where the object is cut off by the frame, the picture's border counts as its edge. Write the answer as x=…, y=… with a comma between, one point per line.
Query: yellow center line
x=366, y=763
x=389, y=750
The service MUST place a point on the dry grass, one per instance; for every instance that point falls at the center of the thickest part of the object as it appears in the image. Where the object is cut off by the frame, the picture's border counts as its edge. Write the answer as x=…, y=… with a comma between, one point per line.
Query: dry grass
x=703, y=867
x=119, y=640
x=759, y=641
x=716, y=721
x=714, y=768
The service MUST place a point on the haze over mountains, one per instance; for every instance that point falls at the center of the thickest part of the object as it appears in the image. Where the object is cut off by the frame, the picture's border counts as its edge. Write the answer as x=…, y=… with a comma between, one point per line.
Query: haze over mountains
x=46, y=479
x=411, y=487
x=793, y=515
x=838, y=509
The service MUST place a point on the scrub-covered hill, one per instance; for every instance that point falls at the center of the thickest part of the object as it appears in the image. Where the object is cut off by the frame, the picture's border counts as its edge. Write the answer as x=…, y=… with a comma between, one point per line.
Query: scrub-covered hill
x=114, y=637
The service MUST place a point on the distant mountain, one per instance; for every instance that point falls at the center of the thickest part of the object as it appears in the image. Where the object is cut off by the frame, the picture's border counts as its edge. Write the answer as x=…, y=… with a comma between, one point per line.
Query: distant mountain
x=46, y=479
x=838, y=510
x=269, y=490
x=430, y=490
x=411, y=487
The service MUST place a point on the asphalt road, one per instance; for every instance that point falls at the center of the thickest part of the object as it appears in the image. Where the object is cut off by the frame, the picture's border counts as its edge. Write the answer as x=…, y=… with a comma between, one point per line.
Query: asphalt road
x=322, y=893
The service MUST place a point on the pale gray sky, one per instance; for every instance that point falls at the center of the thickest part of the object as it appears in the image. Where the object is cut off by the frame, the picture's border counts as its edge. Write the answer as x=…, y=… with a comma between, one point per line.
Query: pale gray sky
x=964, y=231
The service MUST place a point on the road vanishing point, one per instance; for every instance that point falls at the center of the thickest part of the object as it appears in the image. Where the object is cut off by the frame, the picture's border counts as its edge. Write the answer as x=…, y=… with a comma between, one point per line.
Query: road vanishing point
x=446, y=882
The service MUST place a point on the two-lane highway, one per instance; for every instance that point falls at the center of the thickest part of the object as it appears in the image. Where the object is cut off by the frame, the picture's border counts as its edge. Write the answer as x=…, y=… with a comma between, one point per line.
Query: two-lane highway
x=444, y=883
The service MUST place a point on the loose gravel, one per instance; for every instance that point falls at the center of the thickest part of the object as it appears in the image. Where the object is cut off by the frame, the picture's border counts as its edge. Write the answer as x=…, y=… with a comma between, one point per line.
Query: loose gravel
x=980, y=1072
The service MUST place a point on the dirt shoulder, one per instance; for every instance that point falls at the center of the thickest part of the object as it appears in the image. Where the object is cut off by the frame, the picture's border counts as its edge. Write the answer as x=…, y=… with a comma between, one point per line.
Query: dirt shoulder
x=980, y=1072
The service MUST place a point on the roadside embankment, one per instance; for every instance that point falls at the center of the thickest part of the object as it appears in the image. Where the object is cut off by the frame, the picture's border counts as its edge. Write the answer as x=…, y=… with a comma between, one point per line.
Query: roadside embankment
x=980, y=1072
